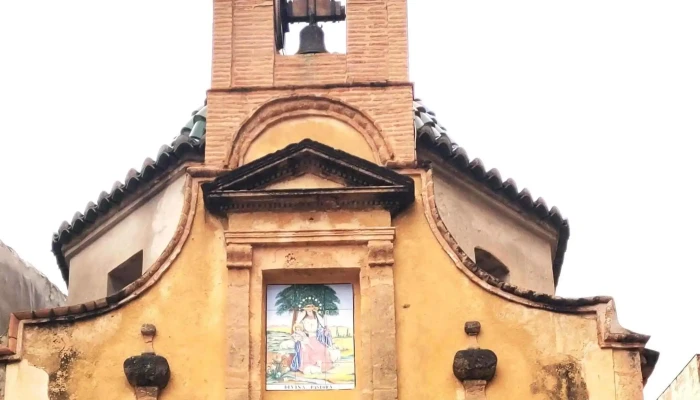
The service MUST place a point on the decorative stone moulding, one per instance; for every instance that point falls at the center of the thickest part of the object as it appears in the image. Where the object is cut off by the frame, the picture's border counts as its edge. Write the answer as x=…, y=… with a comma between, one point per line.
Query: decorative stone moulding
x=14, y=349
x=286, y=108
x=239, y=255
x=381, y=253
x=347, y=183
x=474, y=367
x=364, y=185
x=611, y=335
x=148, y=373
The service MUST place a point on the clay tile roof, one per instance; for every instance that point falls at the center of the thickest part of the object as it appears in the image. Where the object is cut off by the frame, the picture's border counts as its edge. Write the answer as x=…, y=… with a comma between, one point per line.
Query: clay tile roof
x=431, y=135
x=187, y=145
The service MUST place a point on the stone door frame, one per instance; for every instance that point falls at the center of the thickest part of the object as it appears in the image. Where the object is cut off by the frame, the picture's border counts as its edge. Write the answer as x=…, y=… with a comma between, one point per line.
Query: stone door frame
x=376, y=370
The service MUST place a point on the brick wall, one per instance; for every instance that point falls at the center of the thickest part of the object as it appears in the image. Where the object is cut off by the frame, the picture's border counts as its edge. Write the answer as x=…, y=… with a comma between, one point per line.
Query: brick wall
x=245, y=56
x=247, y=71
x=389, y=107
x=317, y=69
x=222, y=40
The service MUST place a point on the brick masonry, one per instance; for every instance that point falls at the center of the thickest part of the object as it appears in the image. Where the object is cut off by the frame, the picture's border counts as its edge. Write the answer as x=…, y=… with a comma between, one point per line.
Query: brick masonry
x=390, y=108
x=222, y=41
x=247, y=71
x=244, y=53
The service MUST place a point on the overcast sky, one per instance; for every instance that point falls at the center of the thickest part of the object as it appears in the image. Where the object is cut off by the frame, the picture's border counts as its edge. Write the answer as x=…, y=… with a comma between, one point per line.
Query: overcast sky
x=593, y=105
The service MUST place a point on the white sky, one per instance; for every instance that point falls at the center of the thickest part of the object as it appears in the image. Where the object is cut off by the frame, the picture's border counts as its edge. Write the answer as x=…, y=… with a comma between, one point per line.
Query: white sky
x=593, y=105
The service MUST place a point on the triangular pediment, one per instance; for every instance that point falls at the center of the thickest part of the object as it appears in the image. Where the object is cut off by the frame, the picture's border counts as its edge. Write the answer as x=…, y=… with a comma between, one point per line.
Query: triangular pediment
x=309, y=174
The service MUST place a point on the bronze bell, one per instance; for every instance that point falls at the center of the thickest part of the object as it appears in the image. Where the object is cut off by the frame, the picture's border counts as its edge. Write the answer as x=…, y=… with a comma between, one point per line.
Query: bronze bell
x=311, y=40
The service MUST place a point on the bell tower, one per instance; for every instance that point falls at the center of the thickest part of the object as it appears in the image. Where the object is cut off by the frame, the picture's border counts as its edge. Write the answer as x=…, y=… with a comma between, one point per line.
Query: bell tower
x=370, y=79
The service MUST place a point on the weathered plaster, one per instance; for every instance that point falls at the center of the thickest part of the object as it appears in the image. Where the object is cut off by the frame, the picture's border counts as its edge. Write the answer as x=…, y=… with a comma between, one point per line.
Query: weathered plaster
x=24, y=381
x=326, y=130
x=686, y=386
x=101, y=344
x=475, y=220
x=433, y=295
x=314, y=117
x=148, y=227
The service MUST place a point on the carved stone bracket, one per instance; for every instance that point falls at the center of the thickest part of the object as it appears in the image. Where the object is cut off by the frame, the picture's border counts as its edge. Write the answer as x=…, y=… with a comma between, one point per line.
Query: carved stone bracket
x=380, y=253
x=239, y=256
x=148, y=373
x=474, y=367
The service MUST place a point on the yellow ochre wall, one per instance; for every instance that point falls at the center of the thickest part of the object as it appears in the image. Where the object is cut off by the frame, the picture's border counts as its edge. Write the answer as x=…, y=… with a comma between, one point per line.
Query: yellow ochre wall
x=84, y=359
x=542, y=355
x=433, y=300
x=327, y=130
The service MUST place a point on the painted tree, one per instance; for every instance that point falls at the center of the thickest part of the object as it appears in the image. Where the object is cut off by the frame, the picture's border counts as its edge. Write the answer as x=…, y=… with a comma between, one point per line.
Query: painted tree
x=295, y=297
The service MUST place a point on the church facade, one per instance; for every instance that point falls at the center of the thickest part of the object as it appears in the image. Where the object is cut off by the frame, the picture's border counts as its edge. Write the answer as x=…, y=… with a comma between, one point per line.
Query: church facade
x=313, y=232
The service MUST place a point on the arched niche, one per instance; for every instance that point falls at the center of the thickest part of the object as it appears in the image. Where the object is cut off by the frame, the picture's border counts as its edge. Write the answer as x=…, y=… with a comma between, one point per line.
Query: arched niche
x=284, y=121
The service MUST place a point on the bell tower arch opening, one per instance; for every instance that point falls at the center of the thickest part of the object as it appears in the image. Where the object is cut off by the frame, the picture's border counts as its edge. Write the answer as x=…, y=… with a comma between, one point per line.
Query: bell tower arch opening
x=310, y=27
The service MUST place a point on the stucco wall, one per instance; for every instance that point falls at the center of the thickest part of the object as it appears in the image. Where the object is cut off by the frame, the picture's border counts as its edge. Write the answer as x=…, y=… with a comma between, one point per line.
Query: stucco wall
x=326, y=130
x=541, y=355
x=686, y=386
x=148, y=228
x=23, y=288
x=475, y=220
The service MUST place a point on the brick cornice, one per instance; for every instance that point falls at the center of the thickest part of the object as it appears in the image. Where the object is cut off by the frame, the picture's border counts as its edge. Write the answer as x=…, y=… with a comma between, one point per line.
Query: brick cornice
x=248, y=89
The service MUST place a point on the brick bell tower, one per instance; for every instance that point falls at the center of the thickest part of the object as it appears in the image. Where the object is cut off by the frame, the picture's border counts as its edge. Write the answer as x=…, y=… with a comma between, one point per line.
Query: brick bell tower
x=253, y=83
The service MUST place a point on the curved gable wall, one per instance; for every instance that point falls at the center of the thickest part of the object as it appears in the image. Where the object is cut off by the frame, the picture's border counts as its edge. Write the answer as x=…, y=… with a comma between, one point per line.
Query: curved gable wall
x=476, y=220
x=541, y=353
x=148, y=227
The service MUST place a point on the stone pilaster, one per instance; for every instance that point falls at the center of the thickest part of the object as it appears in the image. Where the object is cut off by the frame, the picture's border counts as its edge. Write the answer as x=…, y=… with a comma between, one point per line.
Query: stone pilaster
x=382, y=320
x=239, y=261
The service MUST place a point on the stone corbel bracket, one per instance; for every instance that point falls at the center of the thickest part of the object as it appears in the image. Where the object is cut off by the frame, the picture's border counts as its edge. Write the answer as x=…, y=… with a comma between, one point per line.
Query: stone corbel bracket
x=148, y=373
x=239, y=255
x=474, y=367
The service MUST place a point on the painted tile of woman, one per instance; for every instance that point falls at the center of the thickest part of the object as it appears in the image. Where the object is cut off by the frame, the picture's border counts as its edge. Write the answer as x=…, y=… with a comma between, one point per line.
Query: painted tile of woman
x=312, y=354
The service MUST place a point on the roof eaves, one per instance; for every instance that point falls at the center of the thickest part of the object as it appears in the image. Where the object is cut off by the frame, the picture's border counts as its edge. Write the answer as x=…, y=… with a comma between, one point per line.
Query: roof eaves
x=431, y=135
x=187, y=146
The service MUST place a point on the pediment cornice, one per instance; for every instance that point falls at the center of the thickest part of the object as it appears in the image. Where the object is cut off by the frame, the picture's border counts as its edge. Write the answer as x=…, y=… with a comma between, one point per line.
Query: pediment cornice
x=360, y=184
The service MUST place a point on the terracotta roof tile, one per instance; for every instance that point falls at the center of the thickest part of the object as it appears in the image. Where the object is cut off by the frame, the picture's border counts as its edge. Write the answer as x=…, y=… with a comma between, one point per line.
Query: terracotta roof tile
x=429, y=132
x=187, y=145
x=431, y=135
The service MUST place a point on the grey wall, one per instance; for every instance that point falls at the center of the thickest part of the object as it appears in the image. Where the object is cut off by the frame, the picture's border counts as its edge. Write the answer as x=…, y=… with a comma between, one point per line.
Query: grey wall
x=148, y=227
x=476, y=220
x=22, y=287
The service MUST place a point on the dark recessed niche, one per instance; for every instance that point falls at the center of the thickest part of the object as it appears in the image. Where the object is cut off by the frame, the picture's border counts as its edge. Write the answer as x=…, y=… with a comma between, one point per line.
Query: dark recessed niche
x=489, y=263
x=124, y=274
